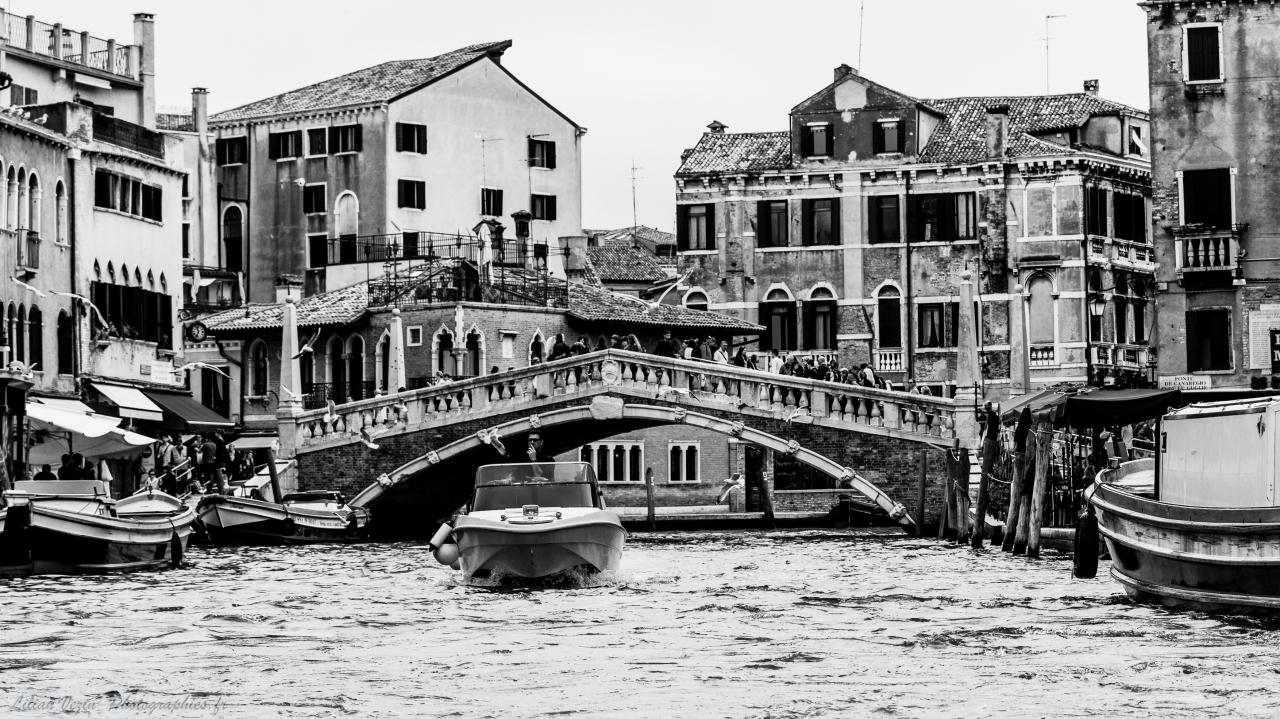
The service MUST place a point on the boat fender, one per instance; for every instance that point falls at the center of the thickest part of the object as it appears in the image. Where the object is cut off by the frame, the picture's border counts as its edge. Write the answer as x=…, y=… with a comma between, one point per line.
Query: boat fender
x=1085, y=562
x=175, y=550
x=440, y=537
x=559, y=516
x=447, y=554
x=456, y=566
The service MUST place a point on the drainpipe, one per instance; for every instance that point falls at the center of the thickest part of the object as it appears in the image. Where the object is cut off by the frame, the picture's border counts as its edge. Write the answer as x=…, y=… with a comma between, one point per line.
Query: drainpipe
x=73, y=157
x=1084, y=254
x=910, y=360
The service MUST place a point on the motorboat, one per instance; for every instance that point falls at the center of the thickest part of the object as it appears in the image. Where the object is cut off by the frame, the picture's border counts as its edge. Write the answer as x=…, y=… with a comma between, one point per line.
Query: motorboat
x=534, y=520
x=1208, y=534
x=300, y=518
x=74, y=527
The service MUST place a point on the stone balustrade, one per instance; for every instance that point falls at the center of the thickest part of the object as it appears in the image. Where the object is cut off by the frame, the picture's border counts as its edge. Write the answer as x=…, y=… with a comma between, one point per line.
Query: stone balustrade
x=696, y=384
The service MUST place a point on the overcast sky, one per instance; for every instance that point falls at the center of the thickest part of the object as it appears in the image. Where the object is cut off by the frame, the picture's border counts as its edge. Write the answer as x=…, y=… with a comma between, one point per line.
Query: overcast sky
x=646, y=77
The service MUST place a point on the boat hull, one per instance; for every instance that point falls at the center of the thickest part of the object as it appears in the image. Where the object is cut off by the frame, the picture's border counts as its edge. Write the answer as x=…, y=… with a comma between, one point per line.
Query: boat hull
x=238, y=521
x=592, y=541
x=1206, y=558
x=36, y=539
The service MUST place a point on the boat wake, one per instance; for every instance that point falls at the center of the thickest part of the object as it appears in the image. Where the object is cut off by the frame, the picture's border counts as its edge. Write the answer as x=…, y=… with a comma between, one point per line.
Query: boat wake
x=573, y=578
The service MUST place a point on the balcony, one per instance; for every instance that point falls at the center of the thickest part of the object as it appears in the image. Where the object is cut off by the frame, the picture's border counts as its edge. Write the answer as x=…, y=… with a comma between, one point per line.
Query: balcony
x=28, y=246
x=127, y=135
x=1200, y=248
x=1124, y=356
x=28, y=35
x=888, y=360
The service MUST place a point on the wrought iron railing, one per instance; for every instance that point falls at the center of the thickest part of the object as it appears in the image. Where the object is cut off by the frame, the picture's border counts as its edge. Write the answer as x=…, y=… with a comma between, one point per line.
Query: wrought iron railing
x=127, y=135
x=55, y=41
x=318, y=394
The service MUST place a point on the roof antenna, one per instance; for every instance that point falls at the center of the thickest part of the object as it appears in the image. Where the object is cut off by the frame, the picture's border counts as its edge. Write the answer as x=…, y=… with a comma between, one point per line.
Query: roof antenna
x=634, y=221
x=1047, y=18
x=862, y=13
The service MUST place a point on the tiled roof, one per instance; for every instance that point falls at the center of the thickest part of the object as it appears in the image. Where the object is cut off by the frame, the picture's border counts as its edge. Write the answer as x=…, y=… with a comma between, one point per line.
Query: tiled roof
x=338, y=307
x=593, y=304
x=616, y=263
x=961, y=137
x=643, y=235
x=738, y=152
x=380, y=83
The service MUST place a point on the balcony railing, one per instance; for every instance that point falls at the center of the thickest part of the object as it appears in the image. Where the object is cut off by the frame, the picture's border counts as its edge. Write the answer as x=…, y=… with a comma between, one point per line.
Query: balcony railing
x=458, y=280
x=1112, y=355
x=1043, y=355
x=127, y=135
x=888, y=360
x=1208, y=253
x=28, y=246
x=318, y=394
x=60, y=43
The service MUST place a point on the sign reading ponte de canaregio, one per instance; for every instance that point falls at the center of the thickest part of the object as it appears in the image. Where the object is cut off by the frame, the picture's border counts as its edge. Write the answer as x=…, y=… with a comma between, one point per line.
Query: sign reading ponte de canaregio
x=1262, y=322
x=1183, y=381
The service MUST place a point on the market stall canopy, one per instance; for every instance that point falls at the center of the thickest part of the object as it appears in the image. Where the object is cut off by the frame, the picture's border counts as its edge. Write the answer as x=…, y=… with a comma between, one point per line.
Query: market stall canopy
x=129, y=401
x=266, y=441
x=183, y=412
x=1108, y=408
x=1034, y=401
x=93, y=436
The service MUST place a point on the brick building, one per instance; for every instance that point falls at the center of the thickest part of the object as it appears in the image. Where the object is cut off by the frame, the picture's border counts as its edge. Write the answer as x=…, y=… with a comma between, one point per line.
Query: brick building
x=1217, y=225
x=846, y=234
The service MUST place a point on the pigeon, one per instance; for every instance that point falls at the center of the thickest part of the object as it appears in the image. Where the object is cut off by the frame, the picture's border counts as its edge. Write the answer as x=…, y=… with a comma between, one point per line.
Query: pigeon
x=27, y=372
x=678, y=391
x=366, y=438
x=793, y=414
x=330, y=413
x=306, y=348
x=286, y=391
x=199, y=365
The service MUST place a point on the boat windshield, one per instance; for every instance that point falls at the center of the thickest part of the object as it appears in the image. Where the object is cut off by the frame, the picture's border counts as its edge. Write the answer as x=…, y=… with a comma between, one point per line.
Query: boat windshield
x=547, y=484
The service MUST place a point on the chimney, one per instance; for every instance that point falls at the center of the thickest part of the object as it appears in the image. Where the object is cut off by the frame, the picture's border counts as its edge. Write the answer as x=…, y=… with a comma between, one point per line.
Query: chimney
x=144, y=50
x=717, y=128
x=1091, y=87
x=575, y=261
x=201, y=184
x=288, y=286
x=997, y=131
x=842, y=71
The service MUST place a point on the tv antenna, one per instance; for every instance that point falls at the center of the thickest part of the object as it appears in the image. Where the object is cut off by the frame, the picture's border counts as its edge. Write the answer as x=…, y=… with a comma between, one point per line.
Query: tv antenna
x=862, y=14
x=634, y=220
x=1047, y=38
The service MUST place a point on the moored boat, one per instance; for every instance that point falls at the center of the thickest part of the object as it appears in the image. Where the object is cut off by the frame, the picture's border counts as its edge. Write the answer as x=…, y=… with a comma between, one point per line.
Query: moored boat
x=74, y=527
x=303, y=517
x=1209, y=536
x=537, y=519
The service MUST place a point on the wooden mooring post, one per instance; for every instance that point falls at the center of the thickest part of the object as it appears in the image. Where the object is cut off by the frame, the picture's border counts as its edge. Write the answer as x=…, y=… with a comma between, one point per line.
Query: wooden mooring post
x=990, y=447
x=1016, y=505
x=1044, y=450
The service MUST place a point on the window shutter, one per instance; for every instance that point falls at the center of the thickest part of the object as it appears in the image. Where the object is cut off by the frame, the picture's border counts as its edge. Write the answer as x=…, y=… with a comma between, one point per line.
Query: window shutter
x=497, y=203
x=809, y=316
x=551, y=155
x=682, y=228
x=806, y=141
x=711, y=226
x=873, y=220
x=400, y=128
x=359, y=138
x=915, y=217
x=835, y=223
x=763, y=225
x=1193, y=343
x=791, y=326
x=422, y=139
x=333, y=140
x=102, y=189
x=532, y=152
x=877, y=138
x=947, y=217
x=806, y=223
x=220, y=149
x=551, y=207
x=902, y=137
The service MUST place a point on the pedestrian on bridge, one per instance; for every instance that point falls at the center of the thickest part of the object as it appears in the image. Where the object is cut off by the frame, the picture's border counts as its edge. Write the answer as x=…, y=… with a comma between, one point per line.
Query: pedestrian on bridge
x=666, y=347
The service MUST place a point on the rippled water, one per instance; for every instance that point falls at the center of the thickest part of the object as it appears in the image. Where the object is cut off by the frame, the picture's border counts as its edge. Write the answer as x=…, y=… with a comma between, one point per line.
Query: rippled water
x=787, y=624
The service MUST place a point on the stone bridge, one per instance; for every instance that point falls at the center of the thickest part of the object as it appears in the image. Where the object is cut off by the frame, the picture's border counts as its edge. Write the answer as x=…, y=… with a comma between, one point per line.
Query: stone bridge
x=411, y=456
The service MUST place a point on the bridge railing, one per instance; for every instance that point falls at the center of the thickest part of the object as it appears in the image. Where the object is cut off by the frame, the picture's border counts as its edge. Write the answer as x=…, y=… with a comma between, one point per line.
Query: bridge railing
x=792, y=399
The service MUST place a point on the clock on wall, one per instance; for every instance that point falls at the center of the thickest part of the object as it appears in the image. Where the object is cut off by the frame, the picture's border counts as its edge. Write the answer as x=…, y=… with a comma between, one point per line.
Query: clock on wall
x=197, y=332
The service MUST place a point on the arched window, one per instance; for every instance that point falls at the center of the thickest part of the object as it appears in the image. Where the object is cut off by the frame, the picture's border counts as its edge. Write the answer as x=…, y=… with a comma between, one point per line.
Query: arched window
x=778, y=315
x=35, y=338
x=60, y=219
x=346, y=219
x=474, y=345
x=11, y=334
x=337, y=370
x=20, y=333
x=11, y=199
x=696, y=300
x=889, y=318
x=820, y=320
x=1122, y=308
x=24, y=206
x=33, y=197
x=444, y=352
x=66, y=344
x=258, y=369
x=356, y=386
x=1041, y=331
x=233, y=239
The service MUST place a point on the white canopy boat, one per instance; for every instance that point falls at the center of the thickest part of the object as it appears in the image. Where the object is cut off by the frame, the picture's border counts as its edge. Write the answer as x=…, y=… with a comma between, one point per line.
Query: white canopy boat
x=534, y=520
x=72, y=527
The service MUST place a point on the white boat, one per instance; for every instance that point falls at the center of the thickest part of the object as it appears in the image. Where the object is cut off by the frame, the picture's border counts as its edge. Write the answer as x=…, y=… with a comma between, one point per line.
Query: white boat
x=1207, y=535
x=537, y=519
x=71, y=527
x=303, y=517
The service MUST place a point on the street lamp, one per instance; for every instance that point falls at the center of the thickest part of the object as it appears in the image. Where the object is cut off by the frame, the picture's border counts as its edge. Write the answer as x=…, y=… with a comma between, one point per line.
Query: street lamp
x=1098, y=304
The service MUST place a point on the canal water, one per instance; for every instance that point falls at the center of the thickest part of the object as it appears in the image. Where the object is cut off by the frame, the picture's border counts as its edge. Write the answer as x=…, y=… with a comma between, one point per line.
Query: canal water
x=741, y=624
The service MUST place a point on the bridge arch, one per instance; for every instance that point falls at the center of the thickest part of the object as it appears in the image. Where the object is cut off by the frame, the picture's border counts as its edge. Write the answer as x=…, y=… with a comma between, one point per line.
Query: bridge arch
x=460, y=457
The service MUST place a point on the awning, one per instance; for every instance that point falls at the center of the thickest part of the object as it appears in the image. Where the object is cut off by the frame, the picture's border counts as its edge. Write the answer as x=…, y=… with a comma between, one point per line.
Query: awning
x=129, y=401
x=1107, y=408
x=93, y=436
x=69, y=405
x=269, y=441
x=44, y=416
x=182, y=411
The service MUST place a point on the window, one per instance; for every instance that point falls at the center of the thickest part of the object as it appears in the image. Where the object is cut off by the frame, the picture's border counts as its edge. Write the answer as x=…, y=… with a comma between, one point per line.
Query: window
x=410, y=244
x=316, y=141
x=258, y=370
x=684, y=462
x=815, y=140
x=820, y=320
x=771, y=224
x=1203, y=55
x=127, y=195
x=1139, y=321
x=19, y=95
x=1095, y=211
x=888, y=136
x=1040, y=212
x=1206, y=198
x=883, y=213
x=314, y=201
x=233, y=239
x=943, y=217
x=543, y=207
x=132, y=313
x=412, y=194
x=232, y=150
x=35, y=339
x=889, y=319
x=542, y=153
x=778, y=315
x=1122, y=320
x=345, y=138
x=1130, y=215
x=1208, y=340
x=508, y=345
x=822, y=222
x=186, y=240
x=415, y=336
x=491, y=202
x=317, y=251
x=937, y=323
x=696, y=300
x=1040, y=319
x=284, y=145
x=1137, y=146
x=66, y=343
x=695, y=227
x=411, y=138
x=620, y=461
